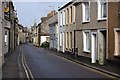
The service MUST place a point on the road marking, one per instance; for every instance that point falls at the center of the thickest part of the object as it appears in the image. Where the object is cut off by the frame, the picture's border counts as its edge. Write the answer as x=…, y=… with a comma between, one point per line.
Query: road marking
x=25, y=68
x=28, y=69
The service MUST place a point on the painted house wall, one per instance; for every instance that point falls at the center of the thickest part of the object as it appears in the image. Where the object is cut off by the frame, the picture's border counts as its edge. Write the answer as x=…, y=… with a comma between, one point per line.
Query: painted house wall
x=92, y=26
x=44, y=28
x=69, y=28
x=37, y=37
x=54, y=31
x=113, y=22
x=61, y=31
x=6, y=36
x=12, y=31
x=44, y=38
x=95, y=25
x=1, y=39
x=67, y=23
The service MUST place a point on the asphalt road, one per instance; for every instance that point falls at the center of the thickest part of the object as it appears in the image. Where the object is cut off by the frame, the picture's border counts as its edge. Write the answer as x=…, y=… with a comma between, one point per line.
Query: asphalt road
x=43, y=64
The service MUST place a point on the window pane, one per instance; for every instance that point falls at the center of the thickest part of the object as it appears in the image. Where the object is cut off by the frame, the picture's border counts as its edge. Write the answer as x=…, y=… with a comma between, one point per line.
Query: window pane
x=103, y=9
x=86, y=11
x=87, y=41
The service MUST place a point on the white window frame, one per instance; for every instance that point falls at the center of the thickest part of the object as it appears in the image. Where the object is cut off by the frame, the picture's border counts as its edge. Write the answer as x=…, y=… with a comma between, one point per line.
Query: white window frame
x=84, y=14
x=61, y=39
x=74, y=14
x=64, y=18
x=70, y=40
x=70, y=15
x=6, y=38
x=61, y=18
x=67, y=40
x=101, y=10
x=67, y=14
x=116, y=52
x=85, y=41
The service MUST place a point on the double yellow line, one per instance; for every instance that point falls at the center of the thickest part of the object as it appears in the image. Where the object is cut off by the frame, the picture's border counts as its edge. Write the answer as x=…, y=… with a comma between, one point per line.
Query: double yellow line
x=25, y=66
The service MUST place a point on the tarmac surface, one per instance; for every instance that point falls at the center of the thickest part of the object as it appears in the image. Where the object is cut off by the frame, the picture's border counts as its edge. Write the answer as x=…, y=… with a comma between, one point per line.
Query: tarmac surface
x=44, y=63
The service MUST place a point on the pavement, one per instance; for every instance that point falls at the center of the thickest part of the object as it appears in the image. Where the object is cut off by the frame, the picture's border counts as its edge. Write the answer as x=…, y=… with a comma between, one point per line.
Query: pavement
x=10, y=68
x=110, y=67
x=11, y=65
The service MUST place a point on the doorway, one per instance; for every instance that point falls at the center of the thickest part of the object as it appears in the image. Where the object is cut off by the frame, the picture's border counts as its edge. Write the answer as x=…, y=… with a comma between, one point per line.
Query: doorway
x=94, y=55
x=102, y=46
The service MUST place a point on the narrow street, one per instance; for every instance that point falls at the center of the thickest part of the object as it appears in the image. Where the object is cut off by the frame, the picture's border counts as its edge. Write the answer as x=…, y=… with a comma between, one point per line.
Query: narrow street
x=59, y=39
x=42, y=64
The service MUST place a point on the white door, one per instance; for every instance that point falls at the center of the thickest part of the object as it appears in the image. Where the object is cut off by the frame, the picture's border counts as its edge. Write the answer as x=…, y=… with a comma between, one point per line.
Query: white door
x=94, y=47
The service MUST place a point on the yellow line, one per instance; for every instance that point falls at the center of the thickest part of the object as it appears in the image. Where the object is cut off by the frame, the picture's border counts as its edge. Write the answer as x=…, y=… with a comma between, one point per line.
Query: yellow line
x=24, y=67
x=28, y=69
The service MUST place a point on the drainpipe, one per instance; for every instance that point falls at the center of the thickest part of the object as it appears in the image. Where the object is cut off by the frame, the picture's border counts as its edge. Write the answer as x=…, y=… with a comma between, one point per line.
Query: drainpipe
x=74, y=51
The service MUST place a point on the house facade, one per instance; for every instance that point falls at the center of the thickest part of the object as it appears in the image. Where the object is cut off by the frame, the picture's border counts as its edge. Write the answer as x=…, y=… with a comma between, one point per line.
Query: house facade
x=12, y=26
x=7, y=28
x=2, y=37
x=30, y=35
x=66, y=27
x=35, y=34
x=53, y=26
x=44, y=28
x=21, y=35
x=96, y=23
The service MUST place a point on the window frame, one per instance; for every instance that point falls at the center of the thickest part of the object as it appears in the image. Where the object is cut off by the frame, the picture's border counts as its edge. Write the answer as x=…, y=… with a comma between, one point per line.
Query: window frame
x=85, y=41
x=6, y=38
x=84, y=12
x=116, y=47
x=74, y=13
x=60, y=39
x=101, y=10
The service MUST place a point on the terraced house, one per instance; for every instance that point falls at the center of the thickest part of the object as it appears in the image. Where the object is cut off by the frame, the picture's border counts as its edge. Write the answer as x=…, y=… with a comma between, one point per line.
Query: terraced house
x=97, y=30
x=66, y=28
x=1, y=39
x=53, y=27
x=90, y=29
x=8, y=24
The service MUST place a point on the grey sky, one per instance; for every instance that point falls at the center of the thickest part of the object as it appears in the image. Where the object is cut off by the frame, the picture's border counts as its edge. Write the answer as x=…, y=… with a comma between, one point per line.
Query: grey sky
x=27, y=12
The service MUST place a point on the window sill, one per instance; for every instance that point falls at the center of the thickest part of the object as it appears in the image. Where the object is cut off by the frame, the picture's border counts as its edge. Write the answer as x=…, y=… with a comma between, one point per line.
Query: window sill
x=101, y=19
x=73, y=22
x=85, y=22
x=116, y=55
x=87, y=51
x=119, y=13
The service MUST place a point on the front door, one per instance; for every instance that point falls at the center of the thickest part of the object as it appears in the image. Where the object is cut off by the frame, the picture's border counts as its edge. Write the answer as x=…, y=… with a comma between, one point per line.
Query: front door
x=94, y=47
